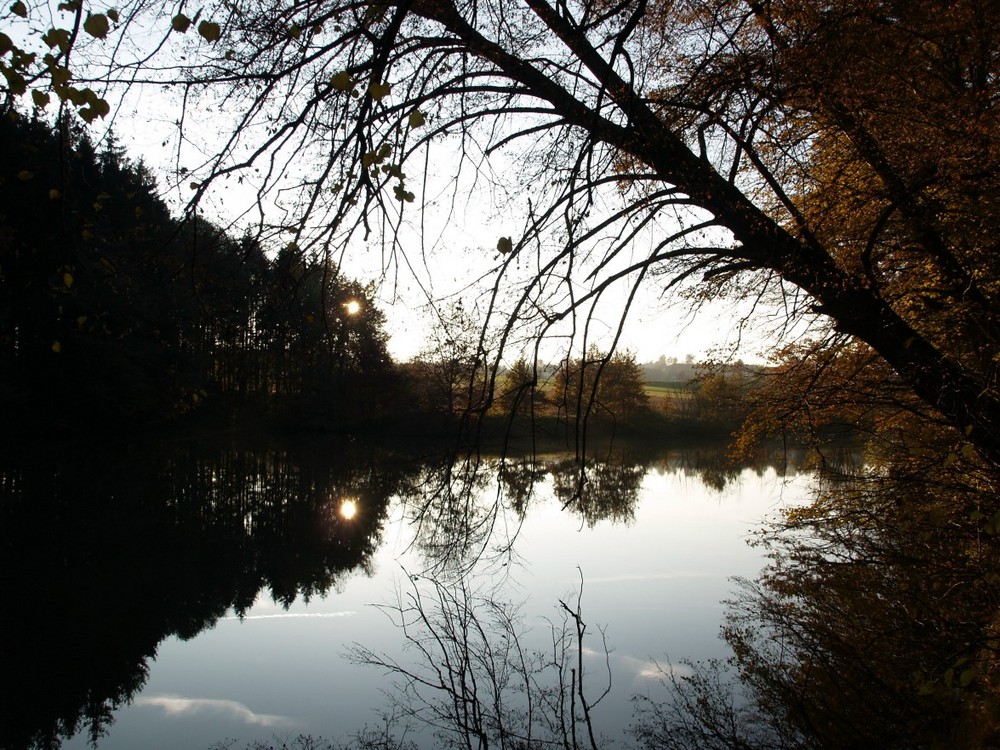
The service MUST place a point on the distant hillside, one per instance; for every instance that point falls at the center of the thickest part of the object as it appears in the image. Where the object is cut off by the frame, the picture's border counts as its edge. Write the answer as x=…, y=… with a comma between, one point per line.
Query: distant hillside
x=663, y=370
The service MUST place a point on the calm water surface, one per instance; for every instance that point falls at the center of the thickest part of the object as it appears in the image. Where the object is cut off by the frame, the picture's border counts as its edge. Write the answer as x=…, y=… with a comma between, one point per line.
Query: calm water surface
x=183, y=597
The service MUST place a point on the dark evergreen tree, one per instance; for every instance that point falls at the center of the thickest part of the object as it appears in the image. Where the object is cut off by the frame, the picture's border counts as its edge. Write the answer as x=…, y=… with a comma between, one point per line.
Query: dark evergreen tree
x=113, y=311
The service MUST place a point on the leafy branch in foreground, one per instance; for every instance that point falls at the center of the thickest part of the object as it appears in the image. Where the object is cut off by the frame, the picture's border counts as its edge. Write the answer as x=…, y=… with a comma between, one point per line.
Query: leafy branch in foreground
x=837, y=158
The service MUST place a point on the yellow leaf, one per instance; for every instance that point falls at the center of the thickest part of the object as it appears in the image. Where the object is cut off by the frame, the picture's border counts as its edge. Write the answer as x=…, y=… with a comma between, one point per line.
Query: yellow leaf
x=57, y=38
x=417, y=118
x=378, y=91
x=101, y=107
x=40, y=98
x=97, y=25
x=180, y=23
x=56, y=347
x=342, y=81
x=19, y=9
x=504, y=245
x=15, y=82
x=60, y=76
x=68, y=279
x=209, y=31
x=24, y=175
x=54, y=194
x=402, y=194
x=113, y=15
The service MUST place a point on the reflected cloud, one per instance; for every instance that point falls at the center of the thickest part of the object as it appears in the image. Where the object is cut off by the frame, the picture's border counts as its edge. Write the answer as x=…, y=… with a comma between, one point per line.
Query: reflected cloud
x=639, y=669
x=645, y=669
x=175, y=705
x=292, y=616
x=649, y=576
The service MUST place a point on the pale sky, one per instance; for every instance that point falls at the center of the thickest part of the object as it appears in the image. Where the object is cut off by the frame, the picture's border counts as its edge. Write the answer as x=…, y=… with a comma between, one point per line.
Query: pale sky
x=448, y=256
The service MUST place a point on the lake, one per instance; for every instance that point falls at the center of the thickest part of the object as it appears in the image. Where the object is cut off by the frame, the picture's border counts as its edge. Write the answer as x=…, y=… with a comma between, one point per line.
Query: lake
x=198, y=593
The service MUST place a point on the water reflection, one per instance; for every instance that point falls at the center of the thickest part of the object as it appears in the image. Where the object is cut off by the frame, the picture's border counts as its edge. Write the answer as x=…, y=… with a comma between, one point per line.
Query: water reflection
x=108, y=552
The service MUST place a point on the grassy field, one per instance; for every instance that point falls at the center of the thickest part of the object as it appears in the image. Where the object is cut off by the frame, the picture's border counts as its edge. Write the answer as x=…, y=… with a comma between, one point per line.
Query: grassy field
x=673, y=388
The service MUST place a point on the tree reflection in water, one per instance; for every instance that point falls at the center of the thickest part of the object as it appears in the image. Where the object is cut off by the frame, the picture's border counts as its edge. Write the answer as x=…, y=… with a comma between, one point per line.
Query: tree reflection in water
x=873, y=626
x=111, y=551
x=471, y=673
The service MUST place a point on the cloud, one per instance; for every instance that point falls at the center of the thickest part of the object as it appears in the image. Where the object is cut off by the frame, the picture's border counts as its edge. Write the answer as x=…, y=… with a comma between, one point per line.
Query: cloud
x=292, y=615
x=175, y=705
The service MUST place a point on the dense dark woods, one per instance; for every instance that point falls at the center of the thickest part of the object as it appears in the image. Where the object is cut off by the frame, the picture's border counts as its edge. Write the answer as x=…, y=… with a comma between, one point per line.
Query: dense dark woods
x=116, y=314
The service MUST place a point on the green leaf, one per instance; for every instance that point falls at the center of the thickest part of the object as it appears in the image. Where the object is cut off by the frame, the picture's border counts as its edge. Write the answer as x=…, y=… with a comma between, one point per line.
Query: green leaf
x=40, y=98
x=113, y=15
x=25, y=174
x=180, y=23
x=6, y=44
x=72, y=6
x=56, y=347
x=19, y=9
x=504, y=245
x=68, y=279
x=966, y=678
x=210, y=31
x=97, y=25
x=417, y=118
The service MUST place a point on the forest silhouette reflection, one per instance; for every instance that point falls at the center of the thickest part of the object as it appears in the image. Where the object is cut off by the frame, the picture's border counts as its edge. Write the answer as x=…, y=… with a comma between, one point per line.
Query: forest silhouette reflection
x=109, y=550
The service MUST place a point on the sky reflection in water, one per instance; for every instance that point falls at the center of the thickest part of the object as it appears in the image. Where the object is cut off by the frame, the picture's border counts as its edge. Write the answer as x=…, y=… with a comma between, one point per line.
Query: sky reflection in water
x=655, y=583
